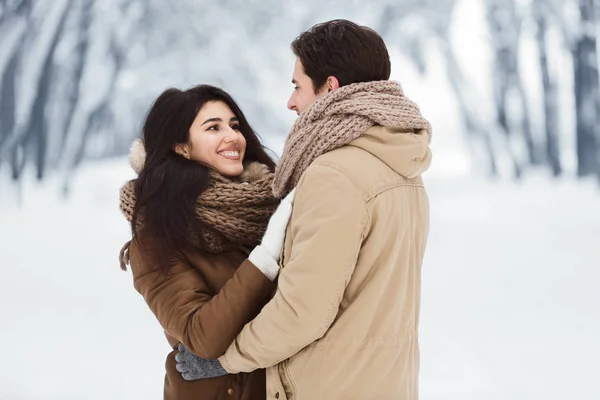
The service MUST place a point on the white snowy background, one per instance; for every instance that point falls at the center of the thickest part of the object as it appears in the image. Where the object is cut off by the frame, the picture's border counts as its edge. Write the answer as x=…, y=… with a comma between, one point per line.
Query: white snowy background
x=511, y=280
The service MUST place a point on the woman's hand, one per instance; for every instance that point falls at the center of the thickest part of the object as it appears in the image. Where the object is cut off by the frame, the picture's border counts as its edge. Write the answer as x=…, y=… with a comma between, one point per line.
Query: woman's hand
x=266, y=256
x=193, y=367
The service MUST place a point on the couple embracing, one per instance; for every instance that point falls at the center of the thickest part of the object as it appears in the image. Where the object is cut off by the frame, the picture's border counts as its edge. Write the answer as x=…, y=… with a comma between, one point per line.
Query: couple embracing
x=298, y=280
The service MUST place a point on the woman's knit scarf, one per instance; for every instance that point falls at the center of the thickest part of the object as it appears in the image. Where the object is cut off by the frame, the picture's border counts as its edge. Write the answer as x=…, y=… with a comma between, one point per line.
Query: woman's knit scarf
x=237, y=210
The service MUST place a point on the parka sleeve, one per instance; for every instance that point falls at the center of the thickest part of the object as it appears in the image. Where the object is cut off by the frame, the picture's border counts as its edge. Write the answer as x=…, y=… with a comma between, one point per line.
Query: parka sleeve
x=187, y=309
x=329, y=222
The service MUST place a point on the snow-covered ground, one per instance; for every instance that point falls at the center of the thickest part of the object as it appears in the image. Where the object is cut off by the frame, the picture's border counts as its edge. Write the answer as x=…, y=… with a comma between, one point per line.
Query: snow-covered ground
x=510, y=308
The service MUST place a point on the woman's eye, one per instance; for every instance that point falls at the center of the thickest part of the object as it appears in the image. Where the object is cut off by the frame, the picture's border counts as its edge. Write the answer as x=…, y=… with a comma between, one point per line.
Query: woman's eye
x=235, y=127
x=213, y=128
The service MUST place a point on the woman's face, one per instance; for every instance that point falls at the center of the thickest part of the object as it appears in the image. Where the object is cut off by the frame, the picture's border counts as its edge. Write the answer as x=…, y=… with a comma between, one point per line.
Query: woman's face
x=216, y=140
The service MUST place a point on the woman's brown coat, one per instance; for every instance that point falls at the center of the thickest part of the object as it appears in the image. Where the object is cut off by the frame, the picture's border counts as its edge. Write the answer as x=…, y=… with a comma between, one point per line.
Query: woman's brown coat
x=204, y=301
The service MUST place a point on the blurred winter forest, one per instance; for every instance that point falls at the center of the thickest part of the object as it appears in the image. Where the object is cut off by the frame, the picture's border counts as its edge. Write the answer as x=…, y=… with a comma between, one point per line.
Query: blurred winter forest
x=76, y=76
x=510, y=296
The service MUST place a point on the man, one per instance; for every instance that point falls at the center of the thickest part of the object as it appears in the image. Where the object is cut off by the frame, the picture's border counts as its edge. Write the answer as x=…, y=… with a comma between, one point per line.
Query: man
x=343, y=323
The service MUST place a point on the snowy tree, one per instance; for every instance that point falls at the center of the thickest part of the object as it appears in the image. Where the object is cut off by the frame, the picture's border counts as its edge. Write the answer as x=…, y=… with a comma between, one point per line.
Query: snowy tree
x=587, y=90
x=578, y=24
x=77, y=76
x=38, y=79
x=542, y=11
x=504, y=26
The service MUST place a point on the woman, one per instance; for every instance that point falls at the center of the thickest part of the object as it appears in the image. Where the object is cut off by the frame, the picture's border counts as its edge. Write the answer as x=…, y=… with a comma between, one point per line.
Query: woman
x=201, y=201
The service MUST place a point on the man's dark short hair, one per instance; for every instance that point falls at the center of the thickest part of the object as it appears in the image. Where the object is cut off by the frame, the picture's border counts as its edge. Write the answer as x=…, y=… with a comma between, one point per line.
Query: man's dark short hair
x=343, y=49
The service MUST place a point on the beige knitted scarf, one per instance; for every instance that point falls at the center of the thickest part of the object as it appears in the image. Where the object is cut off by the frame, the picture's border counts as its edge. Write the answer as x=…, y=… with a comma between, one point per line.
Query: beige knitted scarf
x=338, y=118
x=237, y=209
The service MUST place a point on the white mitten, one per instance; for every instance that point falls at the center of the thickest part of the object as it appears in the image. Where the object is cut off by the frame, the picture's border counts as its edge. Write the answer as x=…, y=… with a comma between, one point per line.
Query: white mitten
x=266, y=255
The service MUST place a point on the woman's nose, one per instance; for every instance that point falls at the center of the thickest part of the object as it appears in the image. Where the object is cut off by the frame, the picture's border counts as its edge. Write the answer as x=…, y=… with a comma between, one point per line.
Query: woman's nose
x=231, y=135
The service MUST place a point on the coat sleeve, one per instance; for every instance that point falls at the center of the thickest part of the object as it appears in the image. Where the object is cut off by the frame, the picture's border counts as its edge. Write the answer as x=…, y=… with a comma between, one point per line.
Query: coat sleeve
x=328, y=225
x=187, y=310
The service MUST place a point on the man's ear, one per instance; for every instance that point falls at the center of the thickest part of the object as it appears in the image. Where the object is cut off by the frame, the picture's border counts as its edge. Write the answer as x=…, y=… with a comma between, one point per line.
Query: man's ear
x=332, y=83
x=183, y=150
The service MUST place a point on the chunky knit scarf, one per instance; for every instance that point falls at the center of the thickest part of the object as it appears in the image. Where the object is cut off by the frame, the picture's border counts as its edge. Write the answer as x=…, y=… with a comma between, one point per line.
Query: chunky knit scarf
x=338, y=118
x=237, y=209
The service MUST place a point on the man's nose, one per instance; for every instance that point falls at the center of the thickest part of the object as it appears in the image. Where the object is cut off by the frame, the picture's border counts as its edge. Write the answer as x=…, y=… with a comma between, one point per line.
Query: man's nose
x=291, y=104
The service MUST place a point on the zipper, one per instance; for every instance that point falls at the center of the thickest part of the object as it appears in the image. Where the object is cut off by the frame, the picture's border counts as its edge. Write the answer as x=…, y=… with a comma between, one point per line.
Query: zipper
x=286, y=380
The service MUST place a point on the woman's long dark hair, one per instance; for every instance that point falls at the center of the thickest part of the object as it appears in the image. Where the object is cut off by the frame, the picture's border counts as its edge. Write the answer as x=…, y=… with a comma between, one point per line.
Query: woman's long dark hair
x=168, y=186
